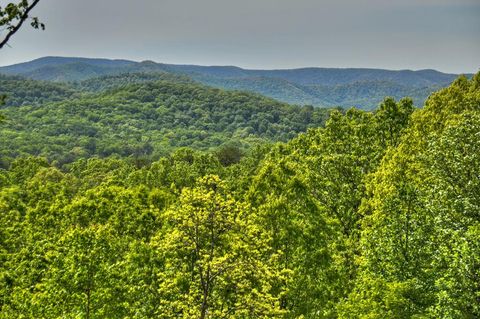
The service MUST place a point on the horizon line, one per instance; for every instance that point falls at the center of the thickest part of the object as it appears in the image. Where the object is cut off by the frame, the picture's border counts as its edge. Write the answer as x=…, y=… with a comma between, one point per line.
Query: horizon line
x=240, y=67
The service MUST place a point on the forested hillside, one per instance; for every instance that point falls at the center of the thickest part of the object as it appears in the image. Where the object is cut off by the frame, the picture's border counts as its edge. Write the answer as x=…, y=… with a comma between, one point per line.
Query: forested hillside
x=49, y=68
x=324, y=87
x=143, y=116
x=374, y=215
x=361, y=94
x=22, y=91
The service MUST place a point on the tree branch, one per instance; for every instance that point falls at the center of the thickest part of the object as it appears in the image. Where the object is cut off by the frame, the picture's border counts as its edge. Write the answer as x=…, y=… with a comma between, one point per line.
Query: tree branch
x=19, y=25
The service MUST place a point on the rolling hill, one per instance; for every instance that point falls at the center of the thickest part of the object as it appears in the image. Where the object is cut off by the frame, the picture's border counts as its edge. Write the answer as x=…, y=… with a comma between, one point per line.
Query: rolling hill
x=140, y=116
x=324, y=87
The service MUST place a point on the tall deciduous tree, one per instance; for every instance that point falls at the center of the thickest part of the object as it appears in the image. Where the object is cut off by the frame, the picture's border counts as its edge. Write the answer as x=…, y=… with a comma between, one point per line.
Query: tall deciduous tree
x=419, y=242
x=211, y=250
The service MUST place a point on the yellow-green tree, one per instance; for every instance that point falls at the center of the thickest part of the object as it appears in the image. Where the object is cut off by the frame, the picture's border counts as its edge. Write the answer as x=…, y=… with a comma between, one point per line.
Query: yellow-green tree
x=419, y=243
x=212, y=251
x=308, y=194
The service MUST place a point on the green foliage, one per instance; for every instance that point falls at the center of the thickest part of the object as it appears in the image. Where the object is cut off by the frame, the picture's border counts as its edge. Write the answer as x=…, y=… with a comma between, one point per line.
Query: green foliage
x=144, y=121
x=324, y=87
x=13, y=15
x=13, y=12
x=212, y=250
x=111, y=82
x=229, y=154
x=21, y=91
x=375, y=215
x=363, y=94
x=420, y=225
x=308, y=194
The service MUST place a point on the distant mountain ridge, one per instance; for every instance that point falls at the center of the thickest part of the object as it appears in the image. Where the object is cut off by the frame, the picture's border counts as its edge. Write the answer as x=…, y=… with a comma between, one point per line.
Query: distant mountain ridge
x=26, y=67
x=324, y=87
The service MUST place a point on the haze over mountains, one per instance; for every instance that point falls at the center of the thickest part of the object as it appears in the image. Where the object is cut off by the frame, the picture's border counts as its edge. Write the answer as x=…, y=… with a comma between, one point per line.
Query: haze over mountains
x=323, y=87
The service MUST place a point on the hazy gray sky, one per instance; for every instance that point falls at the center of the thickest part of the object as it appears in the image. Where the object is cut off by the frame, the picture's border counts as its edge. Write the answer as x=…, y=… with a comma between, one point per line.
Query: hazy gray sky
x=393, y=34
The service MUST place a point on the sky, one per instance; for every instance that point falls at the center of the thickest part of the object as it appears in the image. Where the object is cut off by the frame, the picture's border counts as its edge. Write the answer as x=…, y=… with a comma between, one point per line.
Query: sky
x=259, y=34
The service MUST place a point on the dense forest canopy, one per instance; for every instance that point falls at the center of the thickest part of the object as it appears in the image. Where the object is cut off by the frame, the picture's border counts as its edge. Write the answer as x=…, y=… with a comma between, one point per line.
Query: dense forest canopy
x=324, y=87
x=144, y=116
x=148, y=190
x=373, y=215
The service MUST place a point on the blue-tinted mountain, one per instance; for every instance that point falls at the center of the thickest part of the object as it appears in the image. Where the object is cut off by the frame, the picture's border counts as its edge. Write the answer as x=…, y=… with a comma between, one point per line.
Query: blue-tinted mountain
x=325, y=87
x=27, y=67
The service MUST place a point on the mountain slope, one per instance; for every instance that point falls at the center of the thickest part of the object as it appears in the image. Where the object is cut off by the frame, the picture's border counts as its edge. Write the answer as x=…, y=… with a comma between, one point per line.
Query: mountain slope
x=26, y=67
x=149, y=120
x=297, y=86
x=22, y=91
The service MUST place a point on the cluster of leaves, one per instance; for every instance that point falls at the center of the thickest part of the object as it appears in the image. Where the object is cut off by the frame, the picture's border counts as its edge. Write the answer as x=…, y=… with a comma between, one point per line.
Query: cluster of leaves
x=374, y=215
x=146, y=120
x=14, y=14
